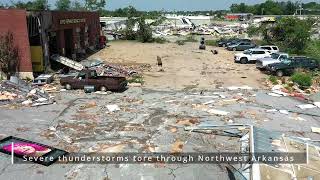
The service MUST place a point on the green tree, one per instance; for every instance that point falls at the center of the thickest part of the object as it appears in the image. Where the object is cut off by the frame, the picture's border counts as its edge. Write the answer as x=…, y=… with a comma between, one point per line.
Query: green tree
x=40, y=5
x=239, y=8
x=313, y=49
x=290, y=8
x=77, y=6
x=95, y=5
x=291, y=33
x=270, y=8
x=63, y=4
x=9, y=54
x=32, y=5
x=144, y=33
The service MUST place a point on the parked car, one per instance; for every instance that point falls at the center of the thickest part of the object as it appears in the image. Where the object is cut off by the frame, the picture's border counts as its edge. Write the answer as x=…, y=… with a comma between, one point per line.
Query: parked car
x=251, y=55
x=237, y=41
x=272, y=49
x=261, y=63
x=241, y=46
x=223, y=42
x=287, y=66
x=88, y=77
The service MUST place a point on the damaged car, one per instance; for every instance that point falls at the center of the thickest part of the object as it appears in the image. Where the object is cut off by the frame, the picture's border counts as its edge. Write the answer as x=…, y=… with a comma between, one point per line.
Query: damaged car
x=88, y=77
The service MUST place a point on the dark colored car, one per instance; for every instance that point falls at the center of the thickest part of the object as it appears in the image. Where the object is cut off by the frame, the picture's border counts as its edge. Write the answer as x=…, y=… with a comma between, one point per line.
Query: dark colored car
x=236, y=41
x=89, y=78
x=241, y=46
x=224, y=42
x=287, y=66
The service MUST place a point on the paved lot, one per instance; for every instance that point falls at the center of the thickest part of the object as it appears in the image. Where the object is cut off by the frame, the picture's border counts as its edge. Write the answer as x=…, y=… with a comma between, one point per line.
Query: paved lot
x=148, y=121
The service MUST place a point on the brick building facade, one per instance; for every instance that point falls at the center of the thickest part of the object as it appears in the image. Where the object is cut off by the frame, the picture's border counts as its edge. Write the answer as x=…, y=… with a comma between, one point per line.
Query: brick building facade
x=67, y=33
x=14, y=21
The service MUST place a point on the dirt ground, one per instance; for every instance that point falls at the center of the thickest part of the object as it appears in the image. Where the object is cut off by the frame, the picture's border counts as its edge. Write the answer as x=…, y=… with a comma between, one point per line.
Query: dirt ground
x=184, y=66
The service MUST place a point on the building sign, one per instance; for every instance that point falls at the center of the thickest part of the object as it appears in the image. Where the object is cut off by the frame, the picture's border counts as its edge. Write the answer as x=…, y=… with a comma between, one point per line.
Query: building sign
x=72, y=21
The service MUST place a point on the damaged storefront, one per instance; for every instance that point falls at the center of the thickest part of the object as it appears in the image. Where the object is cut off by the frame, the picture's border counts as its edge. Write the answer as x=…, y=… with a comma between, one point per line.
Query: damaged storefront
x=69, y=34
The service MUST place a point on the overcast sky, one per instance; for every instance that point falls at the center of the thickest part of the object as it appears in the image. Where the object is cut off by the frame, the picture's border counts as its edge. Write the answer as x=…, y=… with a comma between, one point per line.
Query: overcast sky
x=172, y=4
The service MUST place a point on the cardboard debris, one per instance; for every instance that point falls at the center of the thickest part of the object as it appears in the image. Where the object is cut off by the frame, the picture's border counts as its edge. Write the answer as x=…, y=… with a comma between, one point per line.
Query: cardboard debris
x=113, y=107
x=209, y=102
x=306, y=106
x=218, y=112
x=271, y=110
x=27, y=102
x=317, y=104
x=177, y=146
x=274, y=94
x=277, y=87
x=298, y=118
x=280, y=92
x=187, y=122
x=315, y=130
x=221, y=96
x=284, y=111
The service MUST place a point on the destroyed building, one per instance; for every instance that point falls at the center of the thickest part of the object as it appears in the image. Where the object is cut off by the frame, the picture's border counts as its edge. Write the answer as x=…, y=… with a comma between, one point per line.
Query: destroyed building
x=40, y=34
x=70, y=34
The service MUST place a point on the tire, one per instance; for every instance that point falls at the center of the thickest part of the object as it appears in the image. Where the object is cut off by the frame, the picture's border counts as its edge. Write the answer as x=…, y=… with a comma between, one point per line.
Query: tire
x=243, y=60
x=279, y=73
x=234, y=49
x=68, y=86
x=103, y=89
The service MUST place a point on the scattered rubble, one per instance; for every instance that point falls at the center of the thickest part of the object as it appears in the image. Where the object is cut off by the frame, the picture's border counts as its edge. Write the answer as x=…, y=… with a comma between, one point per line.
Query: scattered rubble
x=113, y=107
x=13, y=93
x=306, y=106
x=218, y=112
x=315, y=129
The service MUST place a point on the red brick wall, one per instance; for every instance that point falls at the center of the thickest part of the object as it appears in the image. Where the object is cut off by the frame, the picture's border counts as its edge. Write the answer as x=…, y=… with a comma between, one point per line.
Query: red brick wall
x=14, y=20
x=91, y=20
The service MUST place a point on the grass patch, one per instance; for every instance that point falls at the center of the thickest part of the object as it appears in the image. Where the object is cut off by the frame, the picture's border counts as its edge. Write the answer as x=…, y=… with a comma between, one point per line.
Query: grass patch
x=273, y=80
x=180, y=42
x=211, y=43
x=136, y=79
x=160, y=40
x=304, y=80
x=190, y=38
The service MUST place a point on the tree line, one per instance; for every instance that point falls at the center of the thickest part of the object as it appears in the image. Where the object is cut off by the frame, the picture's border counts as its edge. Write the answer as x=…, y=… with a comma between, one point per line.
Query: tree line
x=65, y=5
x=270, y=7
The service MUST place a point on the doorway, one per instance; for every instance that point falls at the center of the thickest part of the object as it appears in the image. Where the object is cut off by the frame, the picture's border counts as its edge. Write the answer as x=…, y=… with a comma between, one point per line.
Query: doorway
x=68, y=38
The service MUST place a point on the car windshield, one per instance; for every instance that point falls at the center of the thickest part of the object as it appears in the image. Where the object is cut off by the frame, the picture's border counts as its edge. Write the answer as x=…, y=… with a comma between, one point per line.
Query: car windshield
x=286, y=61
x=275, y=55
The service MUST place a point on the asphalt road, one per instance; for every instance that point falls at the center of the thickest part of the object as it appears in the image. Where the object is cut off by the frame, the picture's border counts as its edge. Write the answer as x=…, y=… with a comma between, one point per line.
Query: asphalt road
x=146, y=121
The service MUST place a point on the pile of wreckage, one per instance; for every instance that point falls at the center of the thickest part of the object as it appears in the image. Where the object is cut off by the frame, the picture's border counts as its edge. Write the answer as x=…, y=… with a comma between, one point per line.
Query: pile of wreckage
x=178, y=26
x=213, y=29
x=266, y=153
x=17, y=91
x=101, y=68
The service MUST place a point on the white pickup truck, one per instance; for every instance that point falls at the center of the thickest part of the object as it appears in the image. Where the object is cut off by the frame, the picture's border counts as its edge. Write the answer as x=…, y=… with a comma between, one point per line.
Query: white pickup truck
x=261, y=63
x=251, y=55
